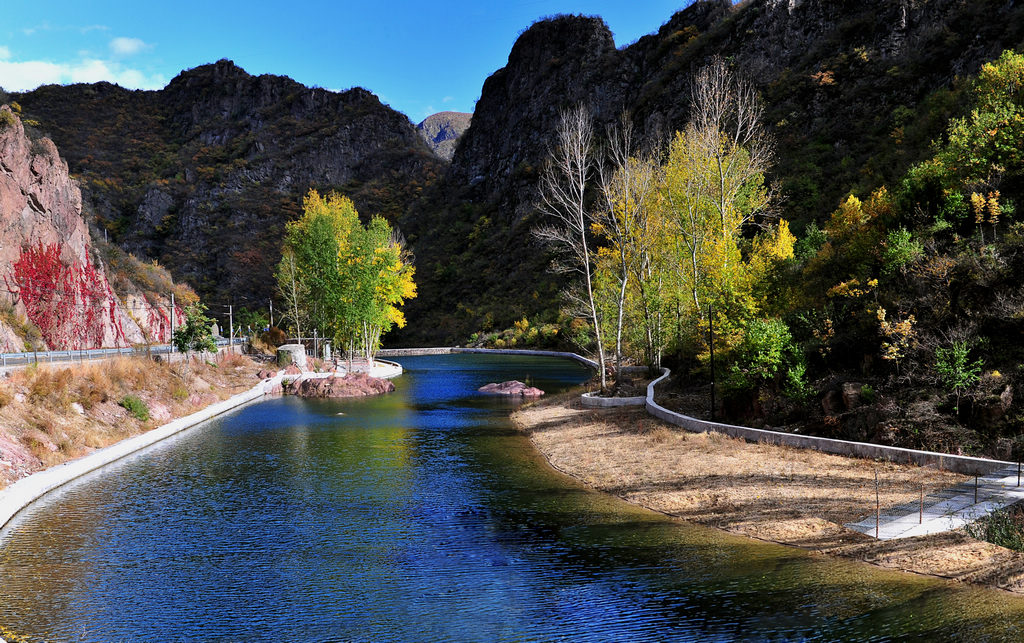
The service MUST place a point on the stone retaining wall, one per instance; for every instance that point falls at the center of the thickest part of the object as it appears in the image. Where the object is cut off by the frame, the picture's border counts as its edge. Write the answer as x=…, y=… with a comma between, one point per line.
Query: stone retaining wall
x=411, y=352
x=597, y=402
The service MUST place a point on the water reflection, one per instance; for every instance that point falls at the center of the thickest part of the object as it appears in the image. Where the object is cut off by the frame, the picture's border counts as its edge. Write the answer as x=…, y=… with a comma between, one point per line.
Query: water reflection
x=420, y=516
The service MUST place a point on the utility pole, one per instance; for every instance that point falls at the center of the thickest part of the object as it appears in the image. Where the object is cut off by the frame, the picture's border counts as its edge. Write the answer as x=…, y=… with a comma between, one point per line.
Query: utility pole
x=231, y=327
x=172, y=322
x=711, y=347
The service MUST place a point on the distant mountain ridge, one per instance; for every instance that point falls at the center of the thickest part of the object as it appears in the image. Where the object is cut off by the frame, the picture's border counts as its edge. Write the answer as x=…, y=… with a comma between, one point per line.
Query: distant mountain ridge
x=204, y=174
x=443, y=130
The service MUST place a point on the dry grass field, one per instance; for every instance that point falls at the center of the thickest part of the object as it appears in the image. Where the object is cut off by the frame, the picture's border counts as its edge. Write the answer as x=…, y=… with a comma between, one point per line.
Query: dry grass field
x=780, y=494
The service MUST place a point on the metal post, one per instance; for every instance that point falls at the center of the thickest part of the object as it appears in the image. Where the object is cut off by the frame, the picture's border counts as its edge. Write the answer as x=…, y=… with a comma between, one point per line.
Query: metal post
x=920, y=516
x=231, y=326
x=711, y=347
x=272, y=311
x=975, y=488
x=172, y=322
x=315, y=344
x=1018, y=467
x=878, y=507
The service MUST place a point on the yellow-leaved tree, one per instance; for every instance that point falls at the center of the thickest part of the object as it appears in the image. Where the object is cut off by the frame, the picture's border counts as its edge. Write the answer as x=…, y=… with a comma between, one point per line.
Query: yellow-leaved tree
x=346, y=279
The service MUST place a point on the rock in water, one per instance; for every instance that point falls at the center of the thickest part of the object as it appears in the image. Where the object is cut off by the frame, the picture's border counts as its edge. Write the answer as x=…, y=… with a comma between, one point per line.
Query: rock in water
x=512, y=388
x=354, y=385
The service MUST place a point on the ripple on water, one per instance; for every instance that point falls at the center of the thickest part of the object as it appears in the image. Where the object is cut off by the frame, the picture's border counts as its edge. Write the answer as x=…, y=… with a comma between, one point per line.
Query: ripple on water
x=420, y=516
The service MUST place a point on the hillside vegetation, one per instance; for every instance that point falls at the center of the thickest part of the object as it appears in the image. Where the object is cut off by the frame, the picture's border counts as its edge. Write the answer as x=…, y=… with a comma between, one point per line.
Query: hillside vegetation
x=203, y=174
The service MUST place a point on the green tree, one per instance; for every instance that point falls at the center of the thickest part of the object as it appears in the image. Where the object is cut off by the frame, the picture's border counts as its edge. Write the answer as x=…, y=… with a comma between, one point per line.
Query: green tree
x=196, y=334
x=766, y=354
x=346, y=279
x=955, y=369
x=988, y=142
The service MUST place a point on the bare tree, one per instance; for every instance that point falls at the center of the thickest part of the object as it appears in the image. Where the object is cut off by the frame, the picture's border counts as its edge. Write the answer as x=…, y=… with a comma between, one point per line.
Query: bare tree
x=563, y=188
x=292, y=291
x=726, y=124
x=628, y=180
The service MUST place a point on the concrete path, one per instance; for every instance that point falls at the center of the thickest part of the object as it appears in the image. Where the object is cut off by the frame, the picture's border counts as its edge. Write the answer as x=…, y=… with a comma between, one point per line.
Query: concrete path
x=947, y=509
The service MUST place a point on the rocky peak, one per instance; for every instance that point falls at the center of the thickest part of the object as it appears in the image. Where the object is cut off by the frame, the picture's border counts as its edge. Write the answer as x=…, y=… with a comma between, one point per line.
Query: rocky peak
x=554, y=64
x=442, y=131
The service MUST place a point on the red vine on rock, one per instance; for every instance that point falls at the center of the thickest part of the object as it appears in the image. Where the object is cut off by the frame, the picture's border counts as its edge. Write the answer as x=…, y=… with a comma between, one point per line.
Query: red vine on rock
x=69, y=304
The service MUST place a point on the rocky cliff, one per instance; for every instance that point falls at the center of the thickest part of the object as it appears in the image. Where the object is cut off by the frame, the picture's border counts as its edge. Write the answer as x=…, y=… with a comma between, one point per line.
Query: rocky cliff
x=443, y=130
x=51, y=276
x=203, y=174
x=855, y=92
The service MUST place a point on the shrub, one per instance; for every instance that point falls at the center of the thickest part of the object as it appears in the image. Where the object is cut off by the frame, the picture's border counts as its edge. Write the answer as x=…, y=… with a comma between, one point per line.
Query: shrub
x=955, y=371
x=274, y=337
x=814, y=238
x=762, y=353
x=136, y=407
x=6, y=396
x=6, y=119
x=900, y=249
x=1003, y=527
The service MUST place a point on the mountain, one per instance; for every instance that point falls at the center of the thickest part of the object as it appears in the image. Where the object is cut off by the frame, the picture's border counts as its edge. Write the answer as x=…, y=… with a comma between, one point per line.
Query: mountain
x=56, y=291
x=442, y=131
x=854, y=94
x=203, y=174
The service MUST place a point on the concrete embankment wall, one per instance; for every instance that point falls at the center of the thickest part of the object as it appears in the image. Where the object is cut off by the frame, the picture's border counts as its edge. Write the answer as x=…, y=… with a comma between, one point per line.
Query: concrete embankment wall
x=956, y=463
x=22, y=493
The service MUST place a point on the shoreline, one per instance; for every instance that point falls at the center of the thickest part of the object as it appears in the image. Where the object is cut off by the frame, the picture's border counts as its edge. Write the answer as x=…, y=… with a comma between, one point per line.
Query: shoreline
x=22, y=493
x=783, y=495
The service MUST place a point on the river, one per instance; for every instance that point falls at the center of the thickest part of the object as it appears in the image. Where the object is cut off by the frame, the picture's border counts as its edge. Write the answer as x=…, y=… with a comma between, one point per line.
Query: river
x=423, y=516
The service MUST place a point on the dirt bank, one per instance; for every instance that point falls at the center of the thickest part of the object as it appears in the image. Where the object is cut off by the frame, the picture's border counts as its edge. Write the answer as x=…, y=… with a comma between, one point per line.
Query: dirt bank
x=50, y=415
x=780, y=494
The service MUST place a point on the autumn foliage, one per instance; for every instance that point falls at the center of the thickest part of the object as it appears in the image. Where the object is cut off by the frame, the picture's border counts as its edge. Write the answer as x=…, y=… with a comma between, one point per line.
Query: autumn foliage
x=70, y=304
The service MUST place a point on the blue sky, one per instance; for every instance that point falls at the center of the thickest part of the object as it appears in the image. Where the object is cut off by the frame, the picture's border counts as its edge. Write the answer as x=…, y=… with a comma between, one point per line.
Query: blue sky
x=418, y=57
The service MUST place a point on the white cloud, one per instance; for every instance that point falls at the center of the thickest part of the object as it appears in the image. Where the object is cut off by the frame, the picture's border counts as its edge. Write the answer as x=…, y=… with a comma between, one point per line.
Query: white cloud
x=447, y=99
x=5, y=53
x=28, y=31
x=127, y=46
x=27, y=75
x=23, y=76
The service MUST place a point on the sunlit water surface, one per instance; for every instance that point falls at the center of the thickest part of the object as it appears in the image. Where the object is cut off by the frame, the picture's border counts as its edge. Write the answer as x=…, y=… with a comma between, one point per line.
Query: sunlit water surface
x=422, y=516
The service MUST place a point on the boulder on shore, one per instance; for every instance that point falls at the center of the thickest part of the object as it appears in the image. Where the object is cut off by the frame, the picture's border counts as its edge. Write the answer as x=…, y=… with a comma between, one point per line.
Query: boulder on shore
x=512, y=388
x=354, y=385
